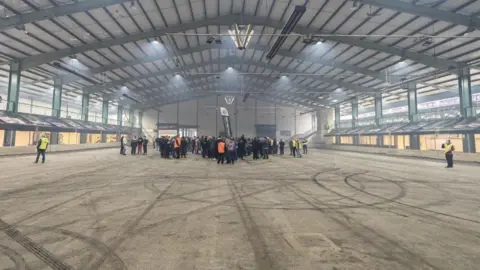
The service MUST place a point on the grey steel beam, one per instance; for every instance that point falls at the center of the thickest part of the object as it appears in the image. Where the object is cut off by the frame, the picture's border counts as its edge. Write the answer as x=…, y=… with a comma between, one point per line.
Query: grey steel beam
x=44, y=58
x=424, y=59
x=49, y=13
x=230, y=61
x=69, y=78
x=286, y=53
x=228, y=20
x=425, y=11
x=151, y=58
x=214, y=85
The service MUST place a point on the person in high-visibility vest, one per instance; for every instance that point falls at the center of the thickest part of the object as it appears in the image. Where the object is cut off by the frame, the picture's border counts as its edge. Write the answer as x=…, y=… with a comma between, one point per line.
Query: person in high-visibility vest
x=449, y=148
x=42, y=146
x=221, y=152
x=176, y=145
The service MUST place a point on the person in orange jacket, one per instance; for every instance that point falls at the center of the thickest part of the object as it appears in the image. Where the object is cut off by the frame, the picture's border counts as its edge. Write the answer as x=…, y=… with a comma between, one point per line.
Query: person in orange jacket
x=221, y=151
x=176, y=145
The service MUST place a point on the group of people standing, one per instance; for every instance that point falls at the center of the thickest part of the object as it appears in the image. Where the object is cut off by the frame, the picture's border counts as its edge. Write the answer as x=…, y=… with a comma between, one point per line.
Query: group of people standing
x=295, y=145
x=137, y=145
x=175, y=147
x=220, y=149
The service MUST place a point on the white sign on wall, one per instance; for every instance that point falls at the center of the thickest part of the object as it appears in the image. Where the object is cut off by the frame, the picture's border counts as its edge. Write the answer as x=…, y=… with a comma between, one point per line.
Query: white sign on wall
x=223, y=111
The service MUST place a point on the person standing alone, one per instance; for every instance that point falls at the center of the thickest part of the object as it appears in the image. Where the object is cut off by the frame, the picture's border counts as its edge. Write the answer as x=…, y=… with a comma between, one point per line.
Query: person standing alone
x=449, y=148
x=42, y=146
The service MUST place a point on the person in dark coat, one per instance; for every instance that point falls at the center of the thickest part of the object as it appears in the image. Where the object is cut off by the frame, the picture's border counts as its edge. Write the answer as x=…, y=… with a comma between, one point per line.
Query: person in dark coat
x=122, y=145
x=255, y=148
x=241, y=147
x=183, y=148
x=275, y=147
x=282, y=146
x=266, y=148
x=133, y=144
x=204, y=143
x=212, y=148
x=145, y=144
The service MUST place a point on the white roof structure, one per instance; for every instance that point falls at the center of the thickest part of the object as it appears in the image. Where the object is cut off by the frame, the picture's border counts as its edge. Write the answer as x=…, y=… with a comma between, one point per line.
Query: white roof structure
x=363, y=47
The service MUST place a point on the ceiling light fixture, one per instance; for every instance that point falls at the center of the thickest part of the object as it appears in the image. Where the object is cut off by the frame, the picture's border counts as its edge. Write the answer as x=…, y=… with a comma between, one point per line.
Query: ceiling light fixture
x=73, y=56
x=311, y=39
x=241, y=35
x=22, y=28
x=210, y=39
x=354, y=5
x=287, y=29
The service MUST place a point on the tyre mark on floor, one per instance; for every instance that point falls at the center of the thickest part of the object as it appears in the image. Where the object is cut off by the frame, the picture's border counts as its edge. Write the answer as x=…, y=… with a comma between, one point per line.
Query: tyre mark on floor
x=380, y=242
x=254, y=236
x=16, y=258
x=129, y=231
x=34, y=248
x=411, y=206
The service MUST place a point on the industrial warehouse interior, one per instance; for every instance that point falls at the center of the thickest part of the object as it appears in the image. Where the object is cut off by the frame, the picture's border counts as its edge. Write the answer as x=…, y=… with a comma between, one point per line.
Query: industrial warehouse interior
x=239, y=134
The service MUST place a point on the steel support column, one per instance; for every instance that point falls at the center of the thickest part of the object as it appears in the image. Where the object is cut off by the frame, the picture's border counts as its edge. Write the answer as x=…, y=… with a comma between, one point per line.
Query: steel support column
x=105, y=111
x=468, y=141
x=178, y=118
x=295, y=121
x=378, y=109
x=216, y=116
x=337, y=117
x=412, y=102
x=104, y=117
x=57, y=96
x=140, y=119
x=465, y=92
x=275, y=117
x=85, y=105
x=356, y=138
x=14, y=86
x=120, y=115
x=354, y=112
x=131, y=117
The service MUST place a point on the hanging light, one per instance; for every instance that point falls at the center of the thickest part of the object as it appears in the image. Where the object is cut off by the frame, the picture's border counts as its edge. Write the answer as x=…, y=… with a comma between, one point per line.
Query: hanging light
x=241, y=35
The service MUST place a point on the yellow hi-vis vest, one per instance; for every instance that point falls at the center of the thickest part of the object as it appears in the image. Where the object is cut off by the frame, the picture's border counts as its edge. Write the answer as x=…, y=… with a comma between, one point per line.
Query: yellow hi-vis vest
x=43, y=144
x=448, y=148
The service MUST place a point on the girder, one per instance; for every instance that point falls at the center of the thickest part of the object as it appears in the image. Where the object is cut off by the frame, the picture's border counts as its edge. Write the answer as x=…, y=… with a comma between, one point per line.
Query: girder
x=228, y=61
x=425, y=11
x=49, y=13
x=228, y=20
x=255, y=85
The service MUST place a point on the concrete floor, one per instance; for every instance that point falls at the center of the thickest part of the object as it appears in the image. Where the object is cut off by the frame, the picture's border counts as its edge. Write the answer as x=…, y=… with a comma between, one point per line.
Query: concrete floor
x=328, y=210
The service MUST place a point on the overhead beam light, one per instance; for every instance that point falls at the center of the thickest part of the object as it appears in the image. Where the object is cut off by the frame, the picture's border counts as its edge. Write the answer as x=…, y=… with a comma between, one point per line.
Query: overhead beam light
x=354, y=5
x=241, y=35
x=22, y=28
x=311, y=39
x=287, y=29
x=210, y=39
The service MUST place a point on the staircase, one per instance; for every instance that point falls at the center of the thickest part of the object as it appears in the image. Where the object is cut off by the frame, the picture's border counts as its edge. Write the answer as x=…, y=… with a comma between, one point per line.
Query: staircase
x=319, y=141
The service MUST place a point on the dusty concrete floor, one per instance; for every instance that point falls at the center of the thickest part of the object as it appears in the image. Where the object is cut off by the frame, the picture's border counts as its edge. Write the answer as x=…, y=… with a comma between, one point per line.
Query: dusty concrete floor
x=328, y=210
